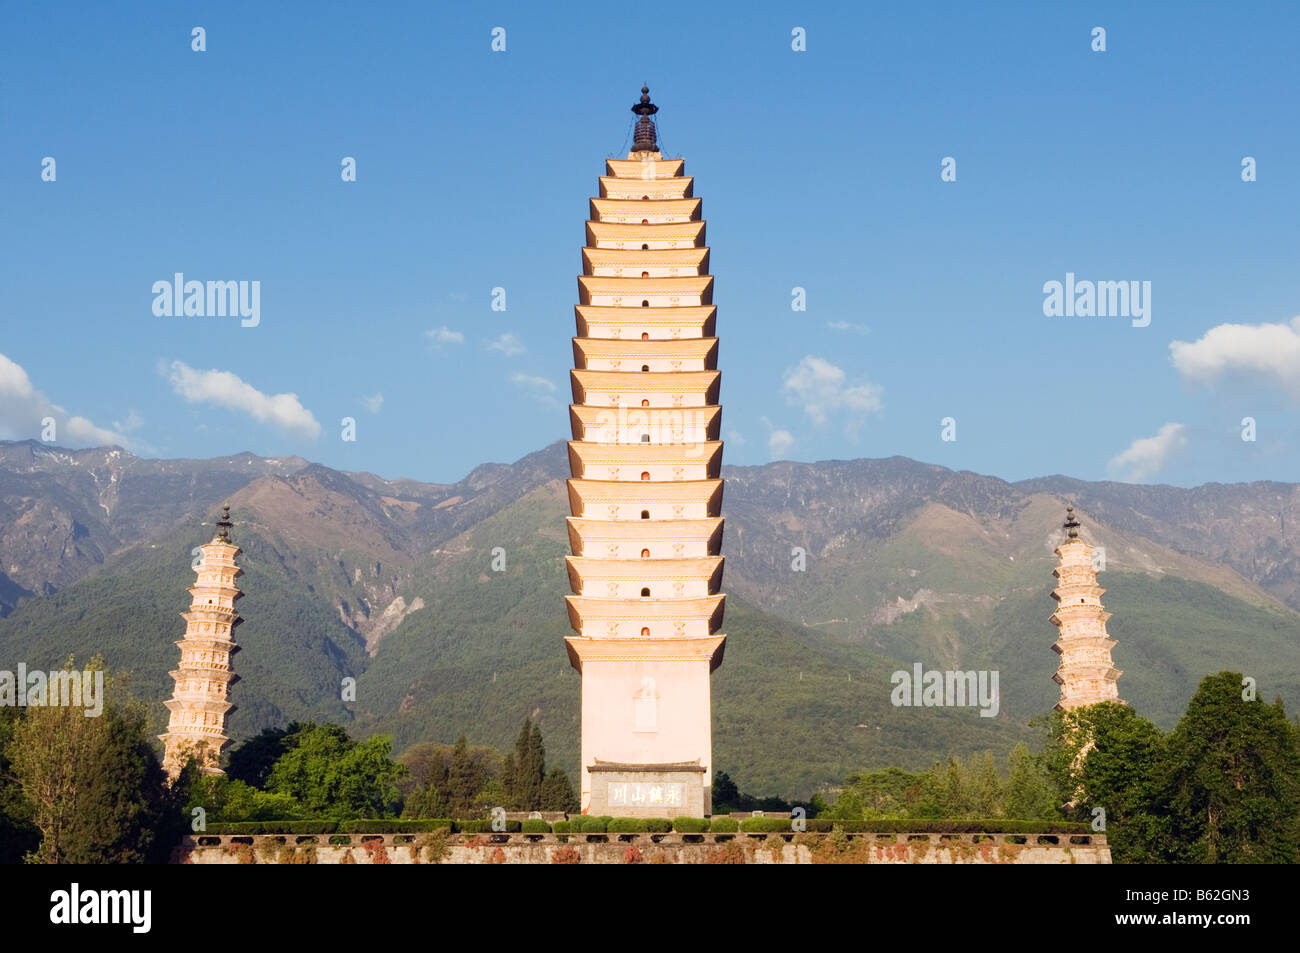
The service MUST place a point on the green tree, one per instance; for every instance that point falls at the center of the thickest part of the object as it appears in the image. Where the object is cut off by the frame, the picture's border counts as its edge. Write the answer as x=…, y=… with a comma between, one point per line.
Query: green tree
x=525, y=769
x=333, y=776
x=251, y=762
x=225, y=799
x=558, y=793
x=510, y=783
x=532, y=771
x=725, y=792
x=1234, y=778
x=465, y=780
x=1028, y=794
x=18, y=835
x=1108, y=757
x=875, y=795
x=983, y=796
x=95, y=788
x=426, y=802
x=944, y=791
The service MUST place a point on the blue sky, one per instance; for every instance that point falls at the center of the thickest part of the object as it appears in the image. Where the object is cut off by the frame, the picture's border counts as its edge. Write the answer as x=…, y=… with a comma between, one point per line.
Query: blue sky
x=818, y=169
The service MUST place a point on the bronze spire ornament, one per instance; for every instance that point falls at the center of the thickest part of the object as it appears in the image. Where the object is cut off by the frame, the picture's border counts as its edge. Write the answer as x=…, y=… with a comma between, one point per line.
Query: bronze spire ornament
x=644, y=138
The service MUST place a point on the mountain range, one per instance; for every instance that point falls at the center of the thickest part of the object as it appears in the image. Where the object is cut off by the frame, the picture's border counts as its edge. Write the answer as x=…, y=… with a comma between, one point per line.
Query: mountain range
x=838, y=573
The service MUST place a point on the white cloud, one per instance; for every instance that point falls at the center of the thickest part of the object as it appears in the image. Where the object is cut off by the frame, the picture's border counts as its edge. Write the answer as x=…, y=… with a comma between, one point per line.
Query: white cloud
x=444, y=335
x=735, y=439
x=23, y=408
x=373, y=404
x=540, y=388
x=224, y=389
x=530, y=382
x=821, y=388
x=133, y=422
x=1147, y=456
x=508, y=344
x=779, y=440
x=848, y=326
x=1270, y=351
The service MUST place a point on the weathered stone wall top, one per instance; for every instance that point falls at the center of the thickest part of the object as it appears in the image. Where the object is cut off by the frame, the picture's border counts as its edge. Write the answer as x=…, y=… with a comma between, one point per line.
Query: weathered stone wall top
x=672, y=848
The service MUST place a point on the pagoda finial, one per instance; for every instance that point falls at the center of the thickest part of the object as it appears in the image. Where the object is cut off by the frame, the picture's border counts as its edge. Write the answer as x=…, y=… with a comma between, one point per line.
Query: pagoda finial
x=1071, y=524
x=644, y=138
x=224, y=524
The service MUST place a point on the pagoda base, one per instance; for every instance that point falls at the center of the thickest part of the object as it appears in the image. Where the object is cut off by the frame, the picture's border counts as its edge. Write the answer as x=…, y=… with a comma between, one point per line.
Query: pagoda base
x=648, y=790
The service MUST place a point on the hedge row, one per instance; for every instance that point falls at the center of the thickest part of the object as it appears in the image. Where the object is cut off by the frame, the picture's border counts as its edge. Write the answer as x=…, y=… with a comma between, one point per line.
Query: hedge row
x=273, y=827
x=584, y=824
x=987, y=826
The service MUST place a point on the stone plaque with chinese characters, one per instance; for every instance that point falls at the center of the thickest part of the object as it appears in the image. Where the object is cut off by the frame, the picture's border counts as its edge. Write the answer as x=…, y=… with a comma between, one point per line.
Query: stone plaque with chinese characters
x=646, y=794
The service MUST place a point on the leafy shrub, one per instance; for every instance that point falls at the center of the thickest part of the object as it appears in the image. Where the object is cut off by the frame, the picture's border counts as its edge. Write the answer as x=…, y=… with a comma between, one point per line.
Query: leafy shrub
x=274, y=827
x=562, y=827
x=766, y=825
x=988, y=826
x=690, y=825
x=658, y=825
x=584, y=824
x=626, y=825
x=392, y=826
x=535, y=826
x=723, y=825
x=485, y=827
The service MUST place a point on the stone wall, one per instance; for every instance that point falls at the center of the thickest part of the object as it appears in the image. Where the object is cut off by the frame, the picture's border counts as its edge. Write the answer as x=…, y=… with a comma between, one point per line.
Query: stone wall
x=645, y=848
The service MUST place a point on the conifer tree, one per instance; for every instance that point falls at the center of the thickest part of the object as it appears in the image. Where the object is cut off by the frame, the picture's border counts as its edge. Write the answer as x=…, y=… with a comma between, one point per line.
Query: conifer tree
x=532, y=770
x=984, y=788
x=1233, y=783
x=557, y=792
x=465, y=779
x=1028, y=795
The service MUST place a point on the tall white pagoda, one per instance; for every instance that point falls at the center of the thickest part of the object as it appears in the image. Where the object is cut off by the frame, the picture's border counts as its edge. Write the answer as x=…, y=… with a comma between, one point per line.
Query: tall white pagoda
x=646, y=492
x=200, y=702
x=1086, y=673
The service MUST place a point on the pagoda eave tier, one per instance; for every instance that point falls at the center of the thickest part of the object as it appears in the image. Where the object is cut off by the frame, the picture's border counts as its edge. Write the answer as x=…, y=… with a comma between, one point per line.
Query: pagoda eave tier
x=209, y=674
x=192, y=733
x=583, y=650
x=652, y=165
x=213, y=615
x=641, y=212
x=691, y=261
x=688, y=290
x=655, y=425
x=605, y=389
x=587, y=571
x=626, y=187
x=592, y=460
x=633, y=353
x=213, y=643
x=668, y=324
x=697, y=538
x=588, y=609
x=657, y=235
x=591, y=495
x=210, y=705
